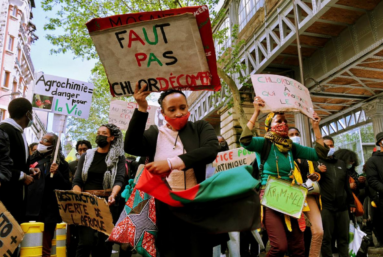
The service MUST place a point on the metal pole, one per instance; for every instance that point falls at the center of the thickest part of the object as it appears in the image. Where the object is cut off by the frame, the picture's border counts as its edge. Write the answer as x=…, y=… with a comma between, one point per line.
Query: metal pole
x=298, y=41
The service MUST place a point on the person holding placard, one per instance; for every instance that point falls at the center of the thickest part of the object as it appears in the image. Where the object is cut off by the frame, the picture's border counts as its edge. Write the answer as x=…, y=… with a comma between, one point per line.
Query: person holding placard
x=42, y=203
x=179, y=151
x=285, y=233
x=101, y=172
x=304, y=171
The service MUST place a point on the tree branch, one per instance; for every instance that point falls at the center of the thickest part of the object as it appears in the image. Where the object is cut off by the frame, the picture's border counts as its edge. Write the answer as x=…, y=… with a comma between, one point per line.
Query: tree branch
x=236, y=97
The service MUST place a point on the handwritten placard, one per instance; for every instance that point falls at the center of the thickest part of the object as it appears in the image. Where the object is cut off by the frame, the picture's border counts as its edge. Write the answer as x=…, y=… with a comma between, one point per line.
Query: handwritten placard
x=229, y=160
x=283, y=197
x=11, y=233
x=121, y=112
x=84, y=209
x=163, y=53
x=282, y=94
x=201, y=14
x=70, y=97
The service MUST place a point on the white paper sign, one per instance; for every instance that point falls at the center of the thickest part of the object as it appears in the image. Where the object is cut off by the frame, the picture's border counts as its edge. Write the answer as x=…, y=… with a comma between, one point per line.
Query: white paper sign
x=229, y=160
x=121, y=112
x=70, y=97
x=282, y=94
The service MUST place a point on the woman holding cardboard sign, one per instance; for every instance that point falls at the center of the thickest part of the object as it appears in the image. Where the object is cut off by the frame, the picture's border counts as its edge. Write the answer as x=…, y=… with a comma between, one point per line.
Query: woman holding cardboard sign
x=285, y=233
x=101, y=172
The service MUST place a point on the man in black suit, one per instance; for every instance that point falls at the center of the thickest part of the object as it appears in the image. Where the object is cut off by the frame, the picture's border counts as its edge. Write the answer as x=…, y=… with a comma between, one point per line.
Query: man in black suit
x=14, y=157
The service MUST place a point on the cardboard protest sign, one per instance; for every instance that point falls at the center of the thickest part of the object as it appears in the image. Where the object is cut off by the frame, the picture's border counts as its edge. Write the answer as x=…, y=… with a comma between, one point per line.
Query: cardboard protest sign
x=156, y=35
x=229, y=160
x=11, y=233
x=283, y=197
x=84, y=209
x=282, y=94
x=68, y=96
x=164, y=53
x=121, y=112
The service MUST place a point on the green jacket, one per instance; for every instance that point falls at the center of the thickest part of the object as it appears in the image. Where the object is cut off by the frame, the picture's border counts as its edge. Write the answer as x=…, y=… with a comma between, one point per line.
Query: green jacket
x=255, y=144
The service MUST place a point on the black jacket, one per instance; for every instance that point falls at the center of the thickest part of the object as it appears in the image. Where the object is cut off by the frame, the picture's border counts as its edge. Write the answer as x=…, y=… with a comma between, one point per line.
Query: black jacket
x=335, y=187
x=12, y=147
x=198, y=138
x=72, y=169
x=42, y=203
x=374, y=171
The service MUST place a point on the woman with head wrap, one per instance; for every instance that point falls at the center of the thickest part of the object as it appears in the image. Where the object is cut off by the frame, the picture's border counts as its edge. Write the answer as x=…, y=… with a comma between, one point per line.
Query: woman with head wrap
x=101, y=172
x=42, y=203
x=285, y=233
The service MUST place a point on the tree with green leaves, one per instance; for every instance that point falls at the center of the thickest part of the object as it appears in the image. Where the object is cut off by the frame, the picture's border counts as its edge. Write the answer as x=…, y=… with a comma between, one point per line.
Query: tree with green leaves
x=72, y=17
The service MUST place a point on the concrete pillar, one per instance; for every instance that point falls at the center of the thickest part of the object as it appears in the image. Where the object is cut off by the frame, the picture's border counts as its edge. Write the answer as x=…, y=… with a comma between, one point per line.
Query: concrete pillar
x=233, y=13
x=302, y=123
x=374, y=110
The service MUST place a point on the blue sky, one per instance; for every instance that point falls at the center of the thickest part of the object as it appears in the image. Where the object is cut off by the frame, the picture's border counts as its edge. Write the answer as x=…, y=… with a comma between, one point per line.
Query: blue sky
x=63, y=65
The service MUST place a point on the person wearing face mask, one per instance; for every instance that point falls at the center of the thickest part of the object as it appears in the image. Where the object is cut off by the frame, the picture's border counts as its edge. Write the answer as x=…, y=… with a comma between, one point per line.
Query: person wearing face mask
x=14, y=153
x=42, y=203
x=81, y=147
x=337, y=202
x=179, y=150
x=222, y=144
x=280, y=163
x=314, y=234
x=101, y=172
x=374, y=171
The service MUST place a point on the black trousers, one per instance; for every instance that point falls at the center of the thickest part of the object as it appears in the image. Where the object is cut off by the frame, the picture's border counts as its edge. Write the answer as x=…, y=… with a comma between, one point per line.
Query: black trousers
x=92, y=242
x=377, y=220
x=335, y=221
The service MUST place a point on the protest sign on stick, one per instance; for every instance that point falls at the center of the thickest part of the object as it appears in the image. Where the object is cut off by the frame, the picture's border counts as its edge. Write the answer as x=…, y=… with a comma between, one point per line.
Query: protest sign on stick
x=201, y=14
x=164, y=53
x=282, y=94
x=11, y=233
x=84, y=209
x=68, y=96
x=283, y=197
x=121, y=112
x=230, y=159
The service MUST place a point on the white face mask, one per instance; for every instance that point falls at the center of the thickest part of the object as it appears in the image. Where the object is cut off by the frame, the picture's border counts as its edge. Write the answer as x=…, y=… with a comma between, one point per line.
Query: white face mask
x=331, y=152
x=296, y=140
x=43, y=148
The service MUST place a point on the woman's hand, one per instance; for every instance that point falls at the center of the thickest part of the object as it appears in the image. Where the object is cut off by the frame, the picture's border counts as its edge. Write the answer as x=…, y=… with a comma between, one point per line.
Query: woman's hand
x=314, y=177
x=140, y=96
x=258, y=103
x=316, y=120
x=322, y=167
x=76, y=189
x=158, y=167
x=111, y=200
x=54, y=168
x=353, y=186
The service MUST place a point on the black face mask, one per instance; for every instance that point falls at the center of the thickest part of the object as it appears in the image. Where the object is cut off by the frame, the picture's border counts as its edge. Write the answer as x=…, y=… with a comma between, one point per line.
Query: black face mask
x=102, y=141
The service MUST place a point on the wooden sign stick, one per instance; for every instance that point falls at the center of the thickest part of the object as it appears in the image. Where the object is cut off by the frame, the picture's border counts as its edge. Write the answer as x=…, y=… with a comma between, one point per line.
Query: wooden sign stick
x=56, y=151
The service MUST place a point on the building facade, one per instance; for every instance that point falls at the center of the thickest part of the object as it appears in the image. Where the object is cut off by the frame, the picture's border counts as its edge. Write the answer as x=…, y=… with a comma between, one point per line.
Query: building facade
x=16, y=66
x=341, y=43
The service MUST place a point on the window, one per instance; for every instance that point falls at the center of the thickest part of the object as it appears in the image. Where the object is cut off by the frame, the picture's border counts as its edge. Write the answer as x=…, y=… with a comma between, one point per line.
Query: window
x=10, y=43
x=225, y=42
x=14, y=11
x=6, y=79
x=247, y=9
x=19, y=55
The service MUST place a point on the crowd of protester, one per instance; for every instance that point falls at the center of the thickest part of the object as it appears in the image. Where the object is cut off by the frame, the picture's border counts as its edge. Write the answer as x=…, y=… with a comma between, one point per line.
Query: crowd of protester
x=179, y=151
